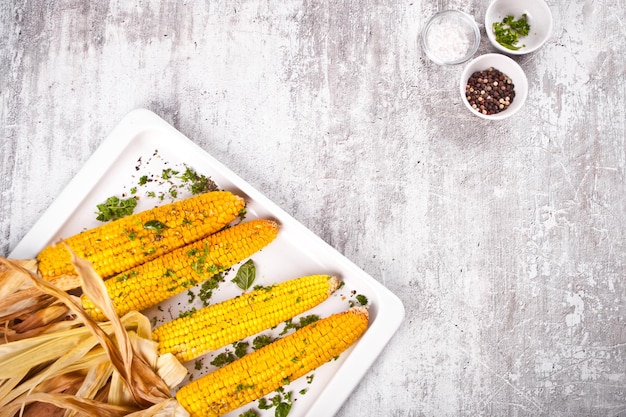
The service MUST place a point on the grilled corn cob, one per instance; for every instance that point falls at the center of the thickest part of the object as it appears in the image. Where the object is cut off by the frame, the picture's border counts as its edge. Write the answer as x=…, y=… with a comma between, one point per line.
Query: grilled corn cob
x=267, y=369
x=235, y=319
x=162, y=278
x=130, y=241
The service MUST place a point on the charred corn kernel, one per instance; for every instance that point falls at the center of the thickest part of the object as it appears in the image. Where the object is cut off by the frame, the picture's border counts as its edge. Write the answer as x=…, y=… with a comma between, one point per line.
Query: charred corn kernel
x=244, y=316
x=127, y=242
x=162, y=278
x=267, y=369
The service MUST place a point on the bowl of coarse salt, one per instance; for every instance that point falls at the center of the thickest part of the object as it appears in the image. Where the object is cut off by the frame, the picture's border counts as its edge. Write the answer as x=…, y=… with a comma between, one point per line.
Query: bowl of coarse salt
x=450, y=37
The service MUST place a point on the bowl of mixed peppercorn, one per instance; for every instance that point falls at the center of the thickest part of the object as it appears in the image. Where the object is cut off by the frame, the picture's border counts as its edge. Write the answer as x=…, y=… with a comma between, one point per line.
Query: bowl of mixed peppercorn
x=493, y=86
x=518, y=27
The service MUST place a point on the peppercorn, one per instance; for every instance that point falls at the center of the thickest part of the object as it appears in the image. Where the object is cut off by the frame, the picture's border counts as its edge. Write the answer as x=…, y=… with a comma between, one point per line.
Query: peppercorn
x=489, y=91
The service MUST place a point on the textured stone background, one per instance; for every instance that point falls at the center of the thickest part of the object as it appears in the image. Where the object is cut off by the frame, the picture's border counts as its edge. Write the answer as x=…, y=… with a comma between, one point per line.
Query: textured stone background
x=505, y=241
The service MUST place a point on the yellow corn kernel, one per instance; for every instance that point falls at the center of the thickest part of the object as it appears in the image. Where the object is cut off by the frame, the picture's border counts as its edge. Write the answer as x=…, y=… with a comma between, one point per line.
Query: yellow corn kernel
x=161, y=278
x=267, y=369
x=248, y=314
x=122, y=244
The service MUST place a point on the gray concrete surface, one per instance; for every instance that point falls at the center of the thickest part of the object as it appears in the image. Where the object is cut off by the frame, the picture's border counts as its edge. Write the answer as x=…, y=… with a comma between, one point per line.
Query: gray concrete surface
x=505, y=240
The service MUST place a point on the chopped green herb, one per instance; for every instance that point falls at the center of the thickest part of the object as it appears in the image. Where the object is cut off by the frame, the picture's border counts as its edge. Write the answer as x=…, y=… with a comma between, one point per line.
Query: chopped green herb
x=168, y=173
x=249, y=413
x=143, y=180
x=131, y=234
x=261, y=340
x=125, y=276
x=282, y=401
x=200, y=264
x=197, y=183
x=207, y=287
x=304, y=321
x=188, y=313
x=188, y=283
x=114, y=208
x=241, y=349
x=198, y=364
x=245, y=275
x=362, y=299
x=264, y=404
x=133, y=190
x=309, y=378
x=509, y=30
x=223, y=359
x=260, y=287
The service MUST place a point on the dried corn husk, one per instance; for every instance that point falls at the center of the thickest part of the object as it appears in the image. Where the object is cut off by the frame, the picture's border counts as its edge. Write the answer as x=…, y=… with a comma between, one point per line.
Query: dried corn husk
x=55, y=360
x=25, y=310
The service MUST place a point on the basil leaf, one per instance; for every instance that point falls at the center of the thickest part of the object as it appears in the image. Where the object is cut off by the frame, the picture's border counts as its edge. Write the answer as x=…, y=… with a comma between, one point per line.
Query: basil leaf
x=154, y=225
x=245, y=275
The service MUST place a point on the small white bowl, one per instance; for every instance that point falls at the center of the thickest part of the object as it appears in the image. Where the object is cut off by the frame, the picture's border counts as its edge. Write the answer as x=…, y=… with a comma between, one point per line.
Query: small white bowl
x=509, y=68
x=539, y=18
x=450, y=37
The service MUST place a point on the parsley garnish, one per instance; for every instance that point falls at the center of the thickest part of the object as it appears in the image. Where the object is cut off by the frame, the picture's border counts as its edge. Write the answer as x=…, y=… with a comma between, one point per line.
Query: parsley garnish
x=168, y=173
x=264, y=405
x=197, y=183
x=282, y=401
x=115, y=208
x=283, y=409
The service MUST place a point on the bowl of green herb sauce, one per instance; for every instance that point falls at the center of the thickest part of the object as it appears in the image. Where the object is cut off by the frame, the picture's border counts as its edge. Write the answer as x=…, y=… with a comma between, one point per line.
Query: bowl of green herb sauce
x=518, y=27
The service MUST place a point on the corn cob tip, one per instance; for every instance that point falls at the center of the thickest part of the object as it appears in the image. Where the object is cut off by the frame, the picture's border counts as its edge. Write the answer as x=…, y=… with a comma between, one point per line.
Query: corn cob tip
x=333, y=284
x=274, y=223
x=361, y=310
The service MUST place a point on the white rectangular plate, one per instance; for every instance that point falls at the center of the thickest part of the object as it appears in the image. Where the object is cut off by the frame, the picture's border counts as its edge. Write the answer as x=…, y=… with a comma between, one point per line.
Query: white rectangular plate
x=144, y=144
